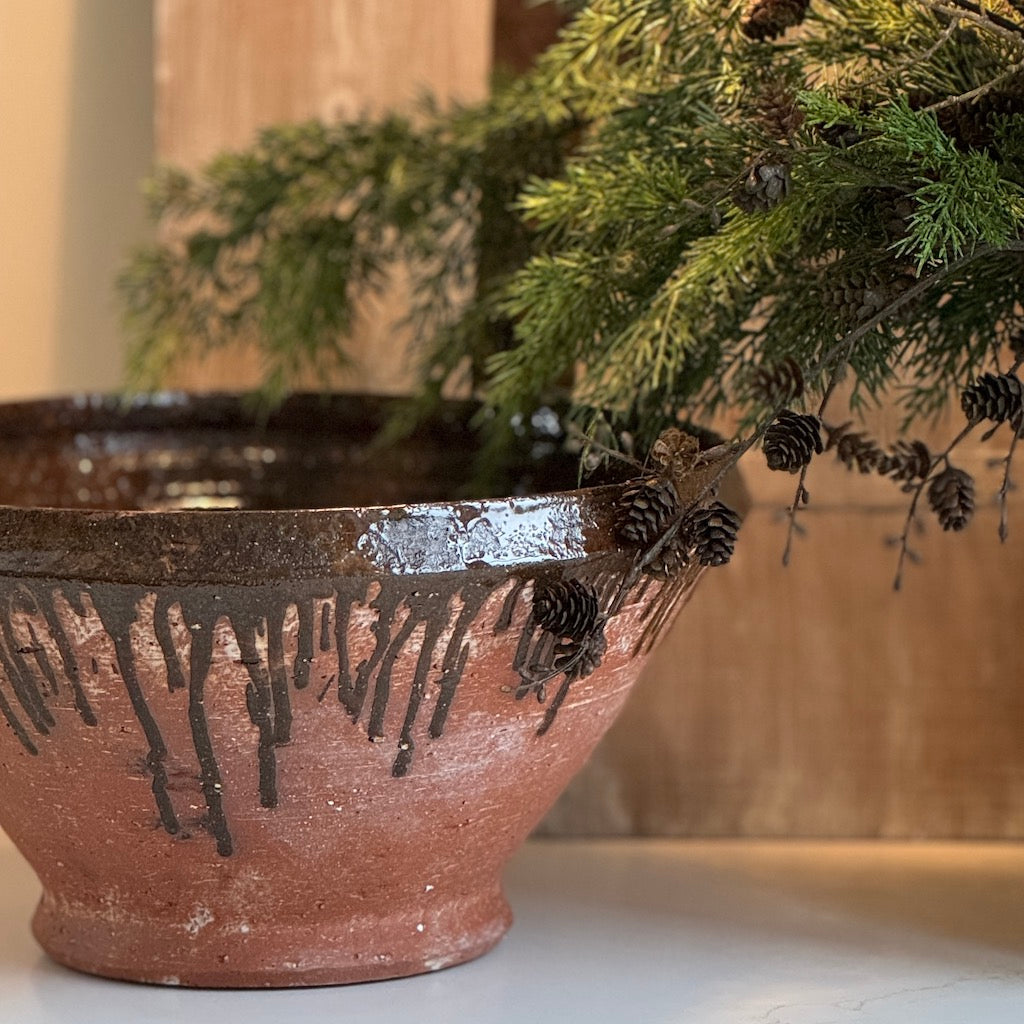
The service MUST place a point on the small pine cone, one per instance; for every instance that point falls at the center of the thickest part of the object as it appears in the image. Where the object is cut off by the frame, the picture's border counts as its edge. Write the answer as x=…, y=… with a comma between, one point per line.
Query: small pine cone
x=972, y=125
x=860, y=295
x=568, y=609
x=777, y=110
x=778, y=383
x=853, y=450
x=767, y=19
x=841, y=135
x=907, y=461
x=897, y=216
x=791, y=441
x=766, y=185
x=996, y=397
x=951, y=497
x=645, y=508
x=671, y=559
x=712, y=532
x=581, y=657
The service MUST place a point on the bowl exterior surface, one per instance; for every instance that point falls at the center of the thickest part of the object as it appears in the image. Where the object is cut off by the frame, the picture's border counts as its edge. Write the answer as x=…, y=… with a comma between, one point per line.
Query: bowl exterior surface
x=247, y=749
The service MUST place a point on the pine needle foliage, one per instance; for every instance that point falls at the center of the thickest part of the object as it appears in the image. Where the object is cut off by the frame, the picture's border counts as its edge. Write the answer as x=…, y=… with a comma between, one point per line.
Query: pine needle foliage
x=600, y=229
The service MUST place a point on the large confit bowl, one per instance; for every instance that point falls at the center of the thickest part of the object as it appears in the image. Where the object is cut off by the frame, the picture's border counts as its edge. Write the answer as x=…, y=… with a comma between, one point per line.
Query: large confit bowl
x=274, y=709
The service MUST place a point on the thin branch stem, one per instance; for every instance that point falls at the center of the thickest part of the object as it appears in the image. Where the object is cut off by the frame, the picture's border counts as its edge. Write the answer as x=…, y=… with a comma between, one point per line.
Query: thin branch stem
x=1004, y=489
x=943, y=456
x=981, y=90
x=967, y=11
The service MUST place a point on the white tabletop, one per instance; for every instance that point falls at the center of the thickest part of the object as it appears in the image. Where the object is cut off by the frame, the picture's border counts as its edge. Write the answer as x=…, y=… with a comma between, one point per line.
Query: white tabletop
x=643, y=931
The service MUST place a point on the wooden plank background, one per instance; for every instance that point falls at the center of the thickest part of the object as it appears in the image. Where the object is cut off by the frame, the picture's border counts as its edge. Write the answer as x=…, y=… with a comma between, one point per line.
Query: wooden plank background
x=811, y=701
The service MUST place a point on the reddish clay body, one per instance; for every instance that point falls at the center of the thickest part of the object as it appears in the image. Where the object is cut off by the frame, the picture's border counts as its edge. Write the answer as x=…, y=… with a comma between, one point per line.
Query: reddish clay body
x=250, y=741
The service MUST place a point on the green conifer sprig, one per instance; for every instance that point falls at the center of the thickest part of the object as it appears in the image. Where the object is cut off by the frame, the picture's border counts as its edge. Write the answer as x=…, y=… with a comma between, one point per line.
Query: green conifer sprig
x=576, y=235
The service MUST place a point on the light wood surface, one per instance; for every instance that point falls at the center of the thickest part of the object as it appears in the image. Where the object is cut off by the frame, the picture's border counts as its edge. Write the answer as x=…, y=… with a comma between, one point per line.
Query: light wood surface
x=803, y=701
x=813, y=700
x=225, y=68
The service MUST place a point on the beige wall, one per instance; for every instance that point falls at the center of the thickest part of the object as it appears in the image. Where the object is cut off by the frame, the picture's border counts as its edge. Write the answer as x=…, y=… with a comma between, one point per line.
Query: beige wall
x=76, y=101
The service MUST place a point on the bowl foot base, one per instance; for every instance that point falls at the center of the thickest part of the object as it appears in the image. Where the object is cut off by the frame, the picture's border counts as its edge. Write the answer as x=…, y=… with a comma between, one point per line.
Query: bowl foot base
x=215, y=950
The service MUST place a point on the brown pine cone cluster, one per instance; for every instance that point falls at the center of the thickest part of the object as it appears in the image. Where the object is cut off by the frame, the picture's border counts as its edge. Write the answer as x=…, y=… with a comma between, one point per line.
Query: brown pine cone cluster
x=861, y=294
x=998, y=397
x=777, y=110
x=778, y=383
x=568, y=609
x=951, y=496
x=766, y=184
x=854, y=450
x=646, y=507
x=712, y=532
x=906, y=461
x=768, y=19
x=792, y=440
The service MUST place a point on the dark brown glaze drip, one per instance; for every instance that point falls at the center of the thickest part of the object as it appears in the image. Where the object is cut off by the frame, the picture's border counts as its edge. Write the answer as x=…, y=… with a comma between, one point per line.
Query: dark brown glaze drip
x=201, y=618
x=278, y=674
x=660, y=612
x=117, y=612
x=16, y=727
x=23, y=683
x=72, y=672
x=410, y=612
x=456, y=654
x=508, y=607
x=162, y=629
x=386, y=604
x=382, y=687
x=347, y=695
x=259, y=703
x=38, y=652
x=325, y=628
x=304, y=655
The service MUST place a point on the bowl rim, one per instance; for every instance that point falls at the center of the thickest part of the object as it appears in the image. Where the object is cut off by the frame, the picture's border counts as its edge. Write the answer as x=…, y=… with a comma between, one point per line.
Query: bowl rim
x=249, y=546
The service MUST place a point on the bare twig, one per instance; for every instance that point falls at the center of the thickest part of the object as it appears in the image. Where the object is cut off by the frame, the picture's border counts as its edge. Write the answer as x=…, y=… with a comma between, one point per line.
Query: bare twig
x=943, y=456
x=1004, y=489
x=981, y=90
x=967, y=11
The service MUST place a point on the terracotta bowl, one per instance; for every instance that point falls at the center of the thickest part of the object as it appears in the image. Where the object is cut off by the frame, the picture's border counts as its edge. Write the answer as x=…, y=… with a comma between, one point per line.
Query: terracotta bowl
x=274, y=710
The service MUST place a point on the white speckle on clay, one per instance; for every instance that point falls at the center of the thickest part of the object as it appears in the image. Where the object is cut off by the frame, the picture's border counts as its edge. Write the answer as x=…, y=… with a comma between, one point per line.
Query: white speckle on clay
x=171, y=979
x=201, y=917
x=419, y=927
x=428, y=888
x=245, y=928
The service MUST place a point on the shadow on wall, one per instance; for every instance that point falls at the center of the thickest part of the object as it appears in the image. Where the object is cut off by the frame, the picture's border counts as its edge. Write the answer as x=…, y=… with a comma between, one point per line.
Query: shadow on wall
x=108, y=151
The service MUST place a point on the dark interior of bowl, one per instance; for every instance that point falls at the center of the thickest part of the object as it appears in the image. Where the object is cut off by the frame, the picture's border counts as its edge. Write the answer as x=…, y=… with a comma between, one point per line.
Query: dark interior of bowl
x=212, y=451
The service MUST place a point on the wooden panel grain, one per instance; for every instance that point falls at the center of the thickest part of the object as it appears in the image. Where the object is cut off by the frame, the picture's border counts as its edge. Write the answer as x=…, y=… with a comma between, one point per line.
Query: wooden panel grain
x=813, y=700
x=225, y=68
x=803, y=701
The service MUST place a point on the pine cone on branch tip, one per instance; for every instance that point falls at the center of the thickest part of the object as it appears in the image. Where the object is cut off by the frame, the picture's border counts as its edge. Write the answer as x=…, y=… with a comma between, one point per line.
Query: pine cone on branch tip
x=671, y=559
x=861, y=294
x=581, y=657
x=567, y=608
x=645, y=508
x=712, y=533
x=768, y=19
x=777, y=110
x=792, y=440
x=778, y=383
x=854, y=450
x=951, y=496
x=996, y=397
x=907, y=461
x=766, y=184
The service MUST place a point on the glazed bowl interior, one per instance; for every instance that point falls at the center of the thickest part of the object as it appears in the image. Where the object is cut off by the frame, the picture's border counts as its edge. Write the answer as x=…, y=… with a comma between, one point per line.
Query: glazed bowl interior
x=168, y=452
